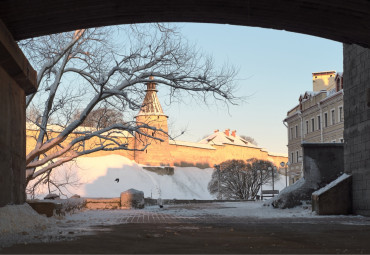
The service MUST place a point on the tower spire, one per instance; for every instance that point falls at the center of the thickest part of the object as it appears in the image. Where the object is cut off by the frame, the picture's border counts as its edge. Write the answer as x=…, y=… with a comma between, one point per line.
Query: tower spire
x=151, y=104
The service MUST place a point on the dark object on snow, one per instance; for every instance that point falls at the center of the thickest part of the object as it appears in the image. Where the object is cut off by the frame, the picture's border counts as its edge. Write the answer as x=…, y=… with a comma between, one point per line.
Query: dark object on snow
x=322, y=164
x=117, y=180
x=52, y=196
x=160, y=202
x=47, y=208
x=335, y=198
x=132, y=198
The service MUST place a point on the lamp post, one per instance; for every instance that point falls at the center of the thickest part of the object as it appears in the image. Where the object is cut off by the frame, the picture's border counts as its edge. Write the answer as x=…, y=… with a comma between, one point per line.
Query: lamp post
x=285, y=165
x=218, y=182
x=273, y=181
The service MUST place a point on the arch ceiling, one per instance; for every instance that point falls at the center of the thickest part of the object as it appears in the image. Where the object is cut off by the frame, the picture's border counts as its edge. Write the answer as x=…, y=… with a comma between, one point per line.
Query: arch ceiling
x=346, y=21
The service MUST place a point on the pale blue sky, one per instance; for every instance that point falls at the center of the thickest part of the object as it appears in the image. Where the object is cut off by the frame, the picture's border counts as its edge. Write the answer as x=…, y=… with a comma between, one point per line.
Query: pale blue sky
x=275, y=68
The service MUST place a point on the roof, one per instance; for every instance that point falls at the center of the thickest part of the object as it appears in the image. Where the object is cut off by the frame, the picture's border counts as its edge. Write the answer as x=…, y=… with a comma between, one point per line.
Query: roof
x=221, y=138
x=192, y=144
x=151, y=104
x=324, y=72
x=59, y=129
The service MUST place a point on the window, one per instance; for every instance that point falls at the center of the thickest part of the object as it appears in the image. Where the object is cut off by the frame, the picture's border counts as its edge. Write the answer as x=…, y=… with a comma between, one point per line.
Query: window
x=292, y=157
x=340, y=114
x=326, y=119
x=306, y=126
x=296, y=131
x=341, y=140
x=297, y=156
x=291, y=133
x=312, y=124
x=318, y=122
x=332, y=117
x=333, y=141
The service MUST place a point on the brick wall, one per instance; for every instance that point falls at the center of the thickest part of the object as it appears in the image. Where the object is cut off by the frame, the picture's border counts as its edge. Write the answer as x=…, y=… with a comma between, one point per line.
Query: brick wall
x=357, y=124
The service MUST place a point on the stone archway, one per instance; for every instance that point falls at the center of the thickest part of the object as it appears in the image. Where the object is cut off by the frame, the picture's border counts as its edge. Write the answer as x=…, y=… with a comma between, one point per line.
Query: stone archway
x=347, y=22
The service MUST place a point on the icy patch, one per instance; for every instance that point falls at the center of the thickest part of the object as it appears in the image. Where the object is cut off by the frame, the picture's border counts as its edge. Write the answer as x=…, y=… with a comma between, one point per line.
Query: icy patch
x=331, y=185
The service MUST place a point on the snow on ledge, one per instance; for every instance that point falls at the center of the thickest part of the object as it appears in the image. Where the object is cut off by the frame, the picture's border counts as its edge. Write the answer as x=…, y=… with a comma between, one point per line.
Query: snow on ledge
x=331, y=185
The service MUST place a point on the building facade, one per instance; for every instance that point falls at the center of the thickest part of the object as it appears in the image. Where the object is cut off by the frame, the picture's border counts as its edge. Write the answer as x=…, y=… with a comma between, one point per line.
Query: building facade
x=318, y=118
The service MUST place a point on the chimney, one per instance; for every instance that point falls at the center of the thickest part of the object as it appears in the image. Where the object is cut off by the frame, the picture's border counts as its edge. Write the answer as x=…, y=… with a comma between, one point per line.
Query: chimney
x=216, y=131
x=227, y=131
x=233, y=133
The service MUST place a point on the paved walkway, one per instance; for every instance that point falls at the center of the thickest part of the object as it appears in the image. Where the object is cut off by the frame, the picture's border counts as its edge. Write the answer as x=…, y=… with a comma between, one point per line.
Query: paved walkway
x=153, y=217
x=161, y=231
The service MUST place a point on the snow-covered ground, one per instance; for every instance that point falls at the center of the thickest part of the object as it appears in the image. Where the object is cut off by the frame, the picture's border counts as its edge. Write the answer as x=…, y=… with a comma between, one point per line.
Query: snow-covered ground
x=97, y=176
x=20, y=224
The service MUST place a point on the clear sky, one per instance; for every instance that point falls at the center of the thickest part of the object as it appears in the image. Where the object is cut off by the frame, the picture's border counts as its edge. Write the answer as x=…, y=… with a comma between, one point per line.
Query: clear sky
x=275, y=68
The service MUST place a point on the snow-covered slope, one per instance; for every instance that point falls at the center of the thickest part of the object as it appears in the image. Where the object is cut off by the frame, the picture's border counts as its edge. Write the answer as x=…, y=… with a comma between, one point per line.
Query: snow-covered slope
x=97, y=176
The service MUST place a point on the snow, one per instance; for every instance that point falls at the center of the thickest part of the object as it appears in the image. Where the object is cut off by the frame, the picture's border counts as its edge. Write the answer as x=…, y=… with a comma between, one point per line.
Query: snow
x=97, y=176
x=19, y=218
x=256, y=209
x=20, y=224
x=331, y=185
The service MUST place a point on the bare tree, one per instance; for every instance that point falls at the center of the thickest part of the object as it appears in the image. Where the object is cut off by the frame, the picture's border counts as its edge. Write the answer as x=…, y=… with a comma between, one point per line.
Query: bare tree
x=101, y=118
x=85, y=70
x=238, y=179
x=249, y=139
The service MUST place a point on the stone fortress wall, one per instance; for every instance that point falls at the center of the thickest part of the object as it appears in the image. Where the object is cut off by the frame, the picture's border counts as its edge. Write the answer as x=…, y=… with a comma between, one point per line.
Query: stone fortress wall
x=215, y=149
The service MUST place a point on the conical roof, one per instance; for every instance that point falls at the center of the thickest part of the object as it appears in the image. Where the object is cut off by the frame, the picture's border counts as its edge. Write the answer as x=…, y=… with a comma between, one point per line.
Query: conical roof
x=151, y=105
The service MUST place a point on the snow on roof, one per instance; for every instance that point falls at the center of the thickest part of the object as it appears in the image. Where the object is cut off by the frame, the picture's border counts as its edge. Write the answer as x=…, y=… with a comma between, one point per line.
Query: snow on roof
x=191, y=144
x=331, y=185
x=221, y=138
x=151, y=104
x=273, y=154
x=59, y=129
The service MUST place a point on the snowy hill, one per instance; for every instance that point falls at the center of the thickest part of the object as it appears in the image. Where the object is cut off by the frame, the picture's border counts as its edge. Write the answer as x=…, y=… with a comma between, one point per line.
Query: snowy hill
x=97, y=176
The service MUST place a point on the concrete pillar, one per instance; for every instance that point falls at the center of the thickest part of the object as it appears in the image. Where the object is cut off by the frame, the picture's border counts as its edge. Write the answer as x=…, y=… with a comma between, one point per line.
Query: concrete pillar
x=17, y=78
x=357, y=123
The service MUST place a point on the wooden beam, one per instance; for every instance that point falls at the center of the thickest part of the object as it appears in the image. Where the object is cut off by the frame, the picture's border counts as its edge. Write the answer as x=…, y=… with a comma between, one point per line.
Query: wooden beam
x=13, y=61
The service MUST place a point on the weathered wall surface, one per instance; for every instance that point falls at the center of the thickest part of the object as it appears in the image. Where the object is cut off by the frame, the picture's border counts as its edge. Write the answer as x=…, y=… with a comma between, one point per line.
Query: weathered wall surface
x=322, y=162
x=31, y=136
x=17, y=78
x=12, y=141
x=357, y=124
x=183, y=155
x=163, y=153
